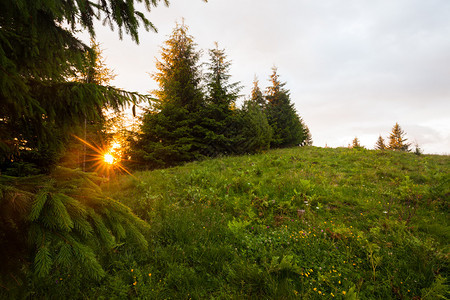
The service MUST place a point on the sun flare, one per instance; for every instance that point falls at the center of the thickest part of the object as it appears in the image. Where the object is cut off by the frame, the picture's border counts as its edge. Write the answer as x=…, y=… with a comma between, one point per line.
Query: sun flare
x=108, y=158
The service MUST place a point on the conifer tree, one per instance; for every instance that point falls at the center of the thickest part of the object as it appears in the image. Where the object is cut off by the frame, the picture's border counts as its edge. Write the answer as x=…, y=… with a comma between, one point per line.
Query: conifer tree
x=77, y=154
x=282, y=116
x=172, y=133
x=39, y=53
x=308, y=141
x=397, y=140
x=59, y=223
x=219, y=111
x=355, y=143
x=380, y=145
x=257, y=96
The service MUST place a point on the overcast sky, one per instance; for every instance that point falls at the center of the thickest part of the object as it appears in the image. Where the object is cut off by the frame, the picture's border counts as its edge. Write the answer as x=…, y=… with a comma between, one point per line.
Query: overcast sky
x=354, y=68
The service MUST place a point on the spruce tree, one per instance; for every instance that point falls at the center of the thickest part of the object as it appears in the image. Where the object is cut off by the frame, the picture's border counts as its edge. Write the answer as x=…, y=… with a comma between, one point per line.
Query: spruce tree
x=380, y=145
x=172, y=132
x=286, y=124
x=356, y=144
x=77, y=154
x=60, y=223
x=219, y=111
x=254, y=134
x=257, y=96
x=397, y=140
x=308, y=141
x=39, y=53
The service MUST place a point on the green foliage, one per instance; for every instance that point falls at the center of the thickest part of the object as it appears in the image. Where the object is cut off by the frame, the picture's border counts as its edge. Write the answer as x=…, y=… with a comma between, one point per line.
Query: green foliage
x=254, y=133
x=173, y=133
x=286, y=125
x=66, y=226
x=293, y=223
x=219, y=112
x=39, y=55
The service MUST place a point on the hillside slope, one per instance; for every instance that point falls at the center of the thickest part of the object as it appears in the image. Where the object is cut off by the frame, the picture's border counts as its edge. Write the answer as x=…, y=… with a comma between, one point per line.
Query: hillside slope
x=301, y=222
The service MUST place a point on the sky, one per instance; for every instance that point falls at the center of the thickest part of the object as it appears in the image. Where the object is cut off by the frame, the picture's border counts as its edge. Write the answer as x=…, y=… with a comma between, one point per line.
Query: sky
x=353, y=68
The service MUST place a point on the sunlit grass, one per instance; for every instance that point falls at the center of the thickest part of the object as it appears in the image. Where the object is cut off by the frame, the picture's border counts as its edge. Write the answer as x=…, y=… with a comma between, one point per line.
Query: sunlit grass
x=304, y=222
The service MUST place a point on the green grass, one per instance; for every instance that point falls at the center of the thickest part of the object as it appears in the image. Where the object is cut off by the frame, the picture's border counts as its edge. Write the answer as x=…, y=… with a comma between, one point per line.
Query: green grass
x=307, y=223
x=304, y=222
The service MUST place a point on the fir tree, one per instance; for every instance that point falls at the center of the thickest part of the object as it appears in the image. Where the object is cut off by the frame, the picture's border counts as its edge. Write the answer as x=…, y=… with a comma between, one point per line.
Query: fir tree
x=62, y=224
x=39, y=53
x=257, y=96
x=380, y=145
x=219, y=111
x=254, y=134
x=77, y=154
x=308, y=141
x=286, y=124
x=397, y=140
x=356, y=144
x=172, y=132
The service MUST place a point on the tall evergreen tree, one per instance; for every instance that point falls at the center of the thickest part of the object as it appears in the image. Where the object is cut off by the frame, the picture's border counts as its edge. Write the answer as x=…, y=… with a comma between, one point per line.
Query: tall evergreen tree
x=257, y=96
x=397, y=140
x=219, y=112
x=255, y=133
x=172, y=133
x=282, y=116
x=59, y=223
x=77, y=154
x=39, y=53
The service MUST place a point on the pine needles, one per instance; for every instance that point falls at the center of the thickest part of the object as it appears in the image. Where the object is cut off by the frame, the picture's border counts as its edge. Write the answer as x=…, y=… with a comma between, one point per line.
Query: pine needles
x=62, y=224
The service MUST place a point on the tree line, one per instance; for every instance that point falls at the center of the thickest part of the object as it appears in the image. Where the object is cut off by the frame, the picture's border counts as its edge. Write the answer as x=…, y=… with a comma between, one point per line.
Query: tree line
x=195, y=115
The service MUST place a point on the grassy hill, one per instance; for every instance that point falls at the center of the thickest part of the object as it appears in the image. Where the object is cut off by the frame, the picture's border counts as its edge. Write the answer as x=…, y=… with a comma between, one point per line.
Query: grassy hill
x=304, y=222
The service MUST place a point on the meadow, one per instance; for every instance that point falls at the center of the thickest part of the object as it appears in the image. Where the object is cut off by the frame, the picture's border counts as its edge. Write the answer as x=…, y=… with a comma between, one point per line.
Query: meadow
x=305, y=222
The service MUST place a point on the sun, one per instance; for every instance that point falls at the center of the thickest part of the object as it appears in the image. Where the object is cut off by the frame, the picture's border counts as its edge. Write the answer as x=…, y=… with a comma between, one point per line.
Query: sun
x=109, y=158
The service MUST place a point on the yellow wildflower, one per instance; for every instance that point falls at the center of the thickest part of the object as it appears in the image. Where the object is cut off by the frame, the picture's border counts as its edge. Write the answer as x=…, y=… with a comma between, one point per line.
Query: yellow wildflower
x=134, y=283
x=344, y=292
